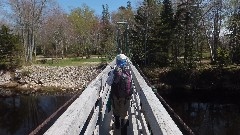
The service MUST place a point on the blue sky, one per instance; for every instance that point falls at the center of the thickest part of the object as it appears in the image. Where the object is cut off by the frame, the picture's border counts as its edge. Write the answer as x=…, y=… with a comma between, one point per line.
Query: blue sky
x=96, y=5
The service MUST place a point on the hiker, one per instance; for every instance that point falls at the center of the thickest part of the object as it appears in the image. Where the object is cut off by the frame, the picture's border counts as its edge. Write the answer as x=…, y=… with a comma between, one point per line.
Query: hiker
x=121, y=90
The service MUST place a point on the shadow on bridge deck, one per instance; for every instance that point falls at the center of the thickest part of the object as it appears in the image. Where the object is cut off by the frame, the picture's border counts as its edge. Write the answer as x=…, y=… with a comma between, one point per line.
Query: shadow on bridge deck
x=108, y=127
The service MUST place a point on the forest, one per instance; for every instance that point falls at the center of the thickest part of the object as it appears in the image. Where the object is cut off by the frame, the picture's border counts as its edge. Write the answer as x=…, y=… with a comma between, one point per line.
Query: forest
x=156, y=33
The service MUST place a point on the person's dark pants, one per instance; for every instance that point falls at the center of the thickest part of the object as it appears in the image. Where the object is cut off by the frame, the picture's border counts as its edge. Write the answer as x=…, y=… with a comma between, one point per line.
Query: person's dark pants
x=120, y=107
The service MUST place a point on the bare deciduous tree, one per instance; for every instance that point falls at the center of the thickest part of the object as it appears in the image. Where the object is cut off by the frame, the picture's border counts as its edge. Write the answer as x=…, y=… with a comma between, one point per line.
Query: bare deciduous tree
x=28, y=16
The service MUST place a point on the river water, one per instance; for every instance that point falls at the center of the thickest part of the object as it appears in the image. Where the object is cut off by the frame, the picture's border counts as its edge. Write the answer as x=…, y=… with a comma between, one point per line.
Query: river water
x=22, y=114
x=207, y=114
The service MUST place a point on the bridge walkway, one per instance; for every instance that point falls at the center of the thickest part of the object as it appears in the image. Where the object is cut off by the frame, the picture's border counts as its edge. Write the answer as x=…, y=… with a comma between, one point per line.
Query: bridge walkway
x=88, y=114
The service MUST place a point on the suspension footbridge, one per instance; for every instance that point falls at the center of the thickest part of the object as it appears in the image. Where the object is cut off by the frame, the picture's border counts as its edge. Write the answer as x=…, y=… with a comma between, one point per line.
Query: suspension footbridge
x=88, y=113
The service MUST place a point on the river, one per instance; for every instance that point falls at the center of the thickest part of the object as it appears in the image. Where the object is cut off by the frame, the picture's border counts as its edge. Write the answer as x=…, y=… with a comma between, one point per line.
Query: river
x=21, y=114
x=207, y=113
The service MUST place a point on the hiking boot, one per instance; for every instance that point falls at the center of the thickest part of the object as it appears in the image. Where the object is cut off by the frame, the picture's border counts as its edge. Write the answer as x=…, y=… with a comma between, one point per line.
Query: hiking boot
x=117, y=122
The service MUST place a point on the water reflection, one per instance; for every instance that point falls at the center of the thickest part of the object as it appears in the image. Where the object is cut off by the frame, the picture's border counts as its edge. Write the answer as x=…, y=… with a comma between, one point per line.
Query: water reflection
x=208, y=116
x=21, y=115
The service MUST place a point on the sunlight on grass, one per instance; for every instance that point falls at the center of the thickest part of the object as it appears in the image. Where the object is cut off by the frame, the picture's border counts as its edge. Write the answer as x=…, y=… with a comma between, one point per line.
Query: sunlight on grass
x=73, y=62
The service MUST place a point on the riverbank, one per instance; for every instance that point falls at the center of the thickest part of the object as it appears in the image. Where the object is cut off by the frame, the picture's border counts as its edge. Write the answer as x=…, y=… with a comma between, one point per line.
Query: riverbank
x=208, y=79
x=35, y=80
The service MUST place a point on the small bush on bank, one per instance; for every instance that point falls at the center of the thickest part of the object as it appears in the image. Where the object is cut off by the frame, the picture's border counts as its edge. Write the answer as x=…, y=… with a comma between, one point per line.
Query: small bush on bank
x=26, y=73
x=200, y=78
x=236, y=55
x=223, y=58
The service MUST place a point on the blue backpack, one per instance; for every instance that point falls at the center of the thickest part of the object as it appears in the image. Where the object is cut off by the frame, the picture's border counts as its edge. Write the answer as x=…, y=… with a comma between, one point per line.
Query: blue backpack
x=121, y=86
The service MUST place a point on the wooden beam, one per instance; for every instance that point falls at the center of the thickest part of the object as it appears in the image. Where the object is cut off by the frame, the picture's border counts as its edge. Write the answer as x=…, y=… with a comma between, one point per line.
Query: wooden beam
x=160, y=121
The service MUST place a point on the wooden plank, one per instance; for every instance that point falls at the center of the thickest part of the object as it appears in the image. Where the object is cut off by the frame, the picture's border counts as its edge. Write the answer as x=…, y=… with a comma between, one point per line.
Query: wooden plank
x=144, y=125
x=106, y=92
x=142, y=121
x=92, y=124
x=132, y=120
x=74, y=118
x=106, y=124
x=130, y=127
x=135, y=126
x=96, y=131
x=105, y=100
x=156, y=114
x=142, y=118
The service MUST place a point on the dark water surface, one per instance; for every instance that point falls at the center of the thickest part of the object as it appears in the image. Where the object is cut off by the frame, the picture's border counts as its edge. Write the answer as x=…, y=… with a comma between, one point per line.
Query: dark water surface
x=20, y=115
x=208, y=114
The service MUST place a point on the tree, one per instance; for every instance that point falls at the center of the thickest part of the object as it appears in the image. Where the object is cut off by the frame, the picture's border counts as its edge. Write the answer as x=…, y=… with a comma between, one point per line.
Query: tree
x=10, y=50
x=86, y=28
x=126, y=15
x=188, y=32
x=137, y=37
x=164, y=33
x=234, y=35
x=216, y=28
x=214, y=21
x=143, y=33
x=54, y=34
x=106, y=36
x=28, y=16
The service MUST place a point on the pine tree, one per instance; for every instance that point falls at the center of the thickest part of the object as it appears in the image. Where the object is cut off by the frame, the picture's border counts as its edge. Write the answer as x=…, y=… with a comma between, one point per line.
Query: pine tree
x=137, y=36
x=143, y=34
x=234, y=28
x=164, y=29
x=106, y=41
x=186, y=33
x=10, y=52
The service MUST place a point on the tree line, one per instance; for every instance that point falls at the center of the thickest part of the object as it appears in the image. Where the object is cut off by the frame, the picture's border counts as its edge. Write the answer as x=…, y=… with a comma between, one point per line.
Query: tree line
x=183, y=32
x=155, y=33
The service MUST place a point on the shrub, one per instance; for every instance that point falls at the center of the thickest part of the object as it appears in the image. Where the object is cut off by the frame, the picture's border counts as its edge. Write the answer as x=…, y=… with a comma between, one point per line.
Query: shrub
x=236, y=55
x=25, y=73
x=223, y=57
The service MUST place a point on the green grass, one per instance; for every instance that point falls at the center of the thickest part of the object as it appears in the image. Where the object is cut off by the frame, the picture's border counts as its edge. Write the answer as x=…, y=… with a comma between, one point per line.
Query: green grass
x=206, y=55
x=74, y=62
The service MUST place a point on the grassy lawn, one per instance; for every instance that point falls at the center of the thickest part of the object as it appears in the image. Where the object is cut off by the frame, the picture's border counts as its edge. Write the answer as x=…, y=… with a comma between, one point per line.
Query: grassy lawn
x=206, y=55
x=72, y=61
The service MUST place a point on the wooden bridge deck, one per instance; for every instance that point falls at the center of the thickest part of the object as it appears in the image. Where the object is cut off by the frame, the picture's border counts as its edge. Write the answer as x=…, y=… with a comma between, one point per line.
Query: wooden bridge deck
x=132, y=125
x=88, y=114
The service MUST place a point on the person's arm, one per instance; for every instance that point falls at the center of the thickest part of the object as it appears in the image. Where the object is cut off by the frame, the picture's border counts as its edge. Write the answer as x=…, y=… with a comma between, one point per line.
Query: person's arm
x=110, y=78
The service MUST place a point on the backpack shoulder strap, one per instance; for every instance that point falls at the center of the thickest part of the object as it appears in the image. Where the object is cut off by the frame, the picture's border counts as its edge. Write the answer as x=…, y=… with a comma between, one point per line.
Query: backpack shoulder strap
x=126, y=71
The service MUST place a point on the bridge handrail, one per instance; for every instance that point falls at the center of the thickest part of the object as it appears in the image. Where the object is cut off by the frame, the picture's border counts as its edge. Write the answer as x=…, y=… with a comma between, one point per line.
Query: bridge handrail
x=72, y=121
x=156, y=115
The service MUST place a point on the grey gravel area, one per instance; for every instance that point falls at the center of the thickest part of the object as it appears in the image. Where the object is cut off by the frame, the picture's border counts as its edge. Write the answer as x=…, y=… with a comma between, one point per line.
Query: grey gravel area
x=5, y=77
x=35, y=77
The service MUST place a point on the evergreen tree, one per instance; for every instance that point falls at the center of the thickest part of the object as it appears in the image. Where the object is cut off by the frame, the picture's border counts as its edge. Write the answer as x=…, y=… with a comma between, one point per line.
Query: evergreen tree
x=164, y=30
x=186, y=33
x=129, y=6
x=152, y=48
x=137, y=36
x=234, y=28
x=106, y=41
x=143, y=34
x=10, y=52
